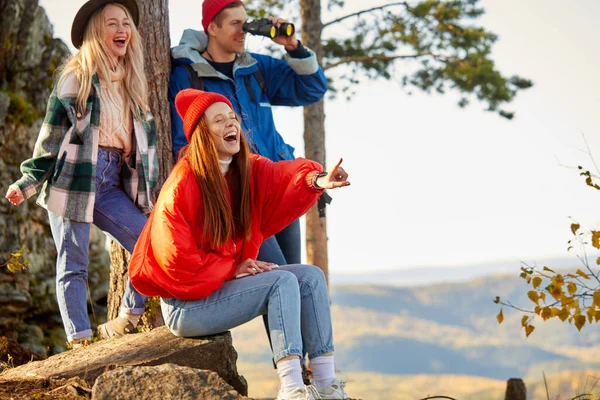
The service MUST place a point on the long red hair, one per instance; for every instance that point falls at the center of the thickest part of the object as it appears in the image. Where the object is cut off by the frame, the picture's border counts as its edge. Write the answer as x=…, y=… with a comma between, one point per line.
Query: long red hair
x=225, y=217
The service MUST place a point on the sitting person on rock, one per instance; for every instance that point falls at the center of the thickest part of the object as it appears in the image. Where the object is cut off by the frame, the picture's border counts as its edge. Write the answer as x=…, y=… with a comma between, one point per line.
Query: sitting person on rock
x=95, y=158
x=198, y=250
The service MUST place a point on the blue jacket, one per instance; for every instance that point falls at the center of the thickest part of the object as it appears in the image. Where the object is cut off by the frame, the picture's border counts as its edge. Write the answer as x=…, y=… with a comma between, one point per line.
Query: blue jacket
x=289, y=82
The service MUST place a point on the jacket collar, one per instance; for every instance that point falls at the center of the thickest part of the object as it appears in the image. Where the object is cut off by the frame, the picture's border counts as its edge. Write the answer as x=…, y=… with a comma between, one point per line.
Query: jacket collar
x=192, y=44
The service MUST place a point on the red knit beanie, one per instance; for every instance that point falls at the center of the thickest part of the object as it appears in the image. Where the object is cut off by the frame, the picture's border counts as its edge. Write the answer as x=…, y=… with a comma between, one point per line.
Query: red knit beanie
x=191, y=104
x=210, y=8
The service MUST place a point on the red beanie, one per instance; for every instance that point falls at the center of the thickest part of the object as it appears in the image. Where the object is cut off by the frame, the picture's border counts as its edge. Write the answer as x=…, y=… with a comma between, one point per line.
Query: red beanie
x=210, y=8
x=191, y=104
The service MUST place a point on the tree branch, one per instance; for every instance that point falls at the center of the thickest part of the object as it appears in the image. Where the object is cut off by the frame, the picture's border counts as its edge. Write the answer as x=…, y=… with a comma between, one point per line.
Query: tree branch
x=356, y=14
x=346, y=60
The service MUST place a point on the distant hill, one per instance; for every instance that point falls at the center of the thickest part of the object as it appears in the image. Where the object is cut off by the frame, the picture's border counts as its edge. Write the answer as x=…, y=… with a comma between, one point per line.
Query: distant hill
x=426, y=275
x=441, y=329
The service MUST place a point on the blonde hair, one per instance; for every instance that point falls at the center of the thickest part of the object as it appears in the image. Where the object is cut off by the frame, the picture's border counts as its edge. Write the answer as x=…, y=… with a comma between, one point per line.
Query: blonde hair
x=95, y=57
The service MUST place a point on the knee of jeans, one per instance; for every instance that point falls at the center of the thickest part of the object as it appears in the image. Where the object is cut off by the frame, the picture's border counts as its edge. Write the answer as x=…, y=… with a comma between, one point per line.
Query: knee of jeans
x=73, y=272
x=285, y=279
x=314, y=275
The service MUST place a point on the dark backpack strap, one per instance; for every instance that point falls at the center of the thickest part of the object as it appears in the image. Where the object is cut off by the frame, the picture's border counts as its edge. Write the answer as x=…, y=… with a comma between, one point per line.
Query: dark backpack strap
x=249, y=88
x=197, y=82
x=324, y=199
x=261, y=81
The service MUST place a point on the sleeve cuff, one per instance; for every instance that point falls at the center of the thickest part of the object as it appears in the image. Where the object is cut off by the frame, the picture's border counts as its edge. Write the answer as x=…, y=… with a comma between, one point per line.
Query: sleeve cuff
x=303, y=66
x=300, y=52
x=309, y=181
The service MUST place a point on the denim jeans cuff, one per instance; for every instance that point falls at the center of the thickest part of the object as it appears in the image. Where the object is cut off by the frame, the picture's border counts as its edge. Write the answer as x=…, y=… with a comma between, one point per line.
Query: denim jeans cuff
x=132, y=311
x=320, y=352
x=287, y=352
x=79, y=335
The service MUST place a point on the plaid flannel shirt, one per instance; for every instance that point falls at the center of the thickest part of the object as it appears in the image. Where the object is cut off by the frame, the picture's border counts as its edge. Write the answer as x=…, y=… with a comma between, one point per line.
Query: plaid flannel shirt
x=65, y=154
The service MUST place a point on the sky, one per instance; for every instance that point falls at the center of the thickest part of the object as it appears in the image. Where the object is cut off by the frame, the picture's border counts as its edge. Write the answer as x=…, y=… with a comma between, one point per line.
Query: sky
x=436, y=185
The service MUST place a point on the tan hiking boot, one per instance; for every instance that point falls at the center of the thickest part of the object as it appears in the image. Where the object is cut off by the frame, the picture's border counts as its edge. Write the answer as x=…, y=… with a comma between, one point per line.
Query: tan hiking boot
x=115, y=328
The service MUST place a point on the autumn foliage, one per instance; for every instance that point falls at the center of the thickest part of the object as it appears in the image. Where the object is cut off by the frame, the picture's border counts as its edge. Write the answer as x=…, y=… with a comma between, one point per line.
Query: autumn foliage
x=570, y=297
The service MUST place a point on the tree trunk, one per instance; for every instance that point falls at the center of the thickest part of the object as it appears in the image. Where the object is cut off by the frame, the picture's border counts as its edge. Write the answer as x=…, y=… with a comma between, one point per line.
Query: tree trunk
x=314, y=137
x=154, y=30
x=515, y=389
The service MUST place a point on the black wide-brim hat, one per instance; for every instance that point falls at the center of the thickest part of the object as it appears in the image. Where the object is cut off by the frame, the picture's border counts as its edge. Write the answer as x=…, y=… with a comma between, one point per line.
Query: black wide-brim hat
x=86, y=11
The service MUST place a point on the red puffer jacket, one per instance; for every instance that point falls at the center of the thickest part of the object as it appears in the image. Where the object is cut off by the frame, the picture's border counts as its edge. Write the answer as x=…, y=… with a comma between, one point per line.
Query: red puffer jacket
x=171, y=259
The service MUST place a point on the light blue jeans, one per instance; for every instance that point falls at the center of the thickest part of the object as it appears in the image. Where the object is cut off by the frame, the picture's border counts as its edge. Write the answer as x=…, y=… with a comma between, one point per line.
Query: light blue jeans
x=116, y=215
x=293, y=297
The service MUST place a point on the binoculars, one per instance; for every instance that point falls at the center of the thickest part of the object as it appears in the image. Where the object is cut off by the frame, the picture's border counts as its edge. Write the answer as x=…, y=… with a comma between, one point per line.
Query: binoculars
x=264, y=27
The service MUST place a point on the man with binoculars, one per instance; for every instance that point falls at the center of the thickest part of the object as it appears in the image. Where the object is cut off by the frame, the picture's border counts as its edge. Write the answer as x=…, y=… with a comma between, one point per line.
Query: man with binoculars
x=216, y=60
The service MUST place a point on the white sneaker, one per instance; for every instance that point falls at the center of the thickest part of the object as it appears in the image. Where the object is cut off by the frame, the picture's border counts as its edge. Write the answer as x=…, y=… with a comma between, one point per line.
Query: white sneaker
x=305, y=393
x=335, y=391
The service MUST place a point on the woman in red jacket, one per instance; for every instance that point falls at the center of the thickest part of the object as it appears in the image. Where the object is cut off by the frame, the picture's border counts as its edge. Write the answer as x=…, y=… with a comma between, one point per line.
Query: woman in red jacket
x=198, y=250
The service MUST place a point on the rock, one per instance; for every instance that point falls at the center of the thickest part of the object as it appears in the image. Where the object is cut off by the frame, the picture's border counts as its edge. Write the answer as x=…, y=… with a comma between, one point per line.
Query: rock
x=49, y=389
x=160, y=346
x=4, y=103
x=14, y=354
x=167, y=381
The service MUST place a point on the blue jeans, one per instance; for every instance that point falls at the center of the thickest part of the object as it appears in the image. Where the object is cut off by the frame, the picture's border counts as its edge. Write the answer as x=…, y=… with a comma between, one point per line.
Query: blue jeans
x=282, y=248
x=293, y=297
x=117, y=216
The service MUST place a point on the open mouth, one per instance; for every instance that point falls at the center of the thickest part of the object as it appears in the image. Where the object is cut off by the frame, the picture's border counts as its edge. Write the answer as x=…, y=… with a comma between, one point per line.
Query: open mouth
x=231, y=137
x=120, y=42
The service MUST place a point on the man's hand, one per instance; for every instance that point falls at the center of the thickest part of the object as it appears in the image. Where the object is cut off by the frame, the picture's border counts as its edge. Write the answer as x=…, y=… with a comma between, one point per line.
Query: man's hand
x=290, y=43
x=337, y=177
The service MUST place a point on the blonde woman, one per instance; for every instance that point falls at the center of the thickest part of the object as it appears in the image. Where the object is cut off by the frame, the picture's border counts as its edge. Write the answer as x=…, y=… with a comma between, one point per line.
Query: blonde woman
x=95, y=160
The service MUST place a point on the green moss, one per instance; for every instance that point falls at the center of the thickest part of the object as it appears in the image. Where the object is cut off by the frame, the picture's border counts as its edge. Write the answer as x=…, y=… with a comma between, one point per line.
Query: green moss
x=20, y=111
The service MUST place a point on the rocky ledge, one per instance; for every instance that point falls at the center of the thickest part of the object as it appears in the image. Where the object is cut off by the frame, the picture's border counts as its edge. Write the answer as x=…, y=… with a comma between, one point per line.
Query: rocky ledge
x=154, y=365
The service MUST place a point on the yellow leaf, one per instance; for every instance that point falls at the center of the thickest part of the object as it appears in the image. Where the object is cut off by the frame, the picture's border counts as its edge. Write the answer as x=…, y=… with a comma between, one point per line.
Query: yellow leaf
x=546, y=313
x=537, y=310
x=524, y=320
x=533, y=296
x=500, y=317
x=537, y=281
x=582, y=274
x=529, y=329
x=596, y=239
x=590, y=315
x=597, y=316
x=555, y=291
x=598, y=261
x=572, y=287
x=543, y=296
x=597, y=298
x=549, y=270
x=563, y=314
x=574, y=228
x=579, y=321
x=558, y=280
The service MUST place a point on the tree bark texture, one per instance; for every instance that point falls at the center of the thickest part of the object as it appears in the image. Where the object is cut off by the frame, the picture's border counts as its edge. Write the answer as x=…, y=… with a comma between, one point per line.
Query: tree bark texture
x=314, y=137
x=154, y=30
x=515, y=389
